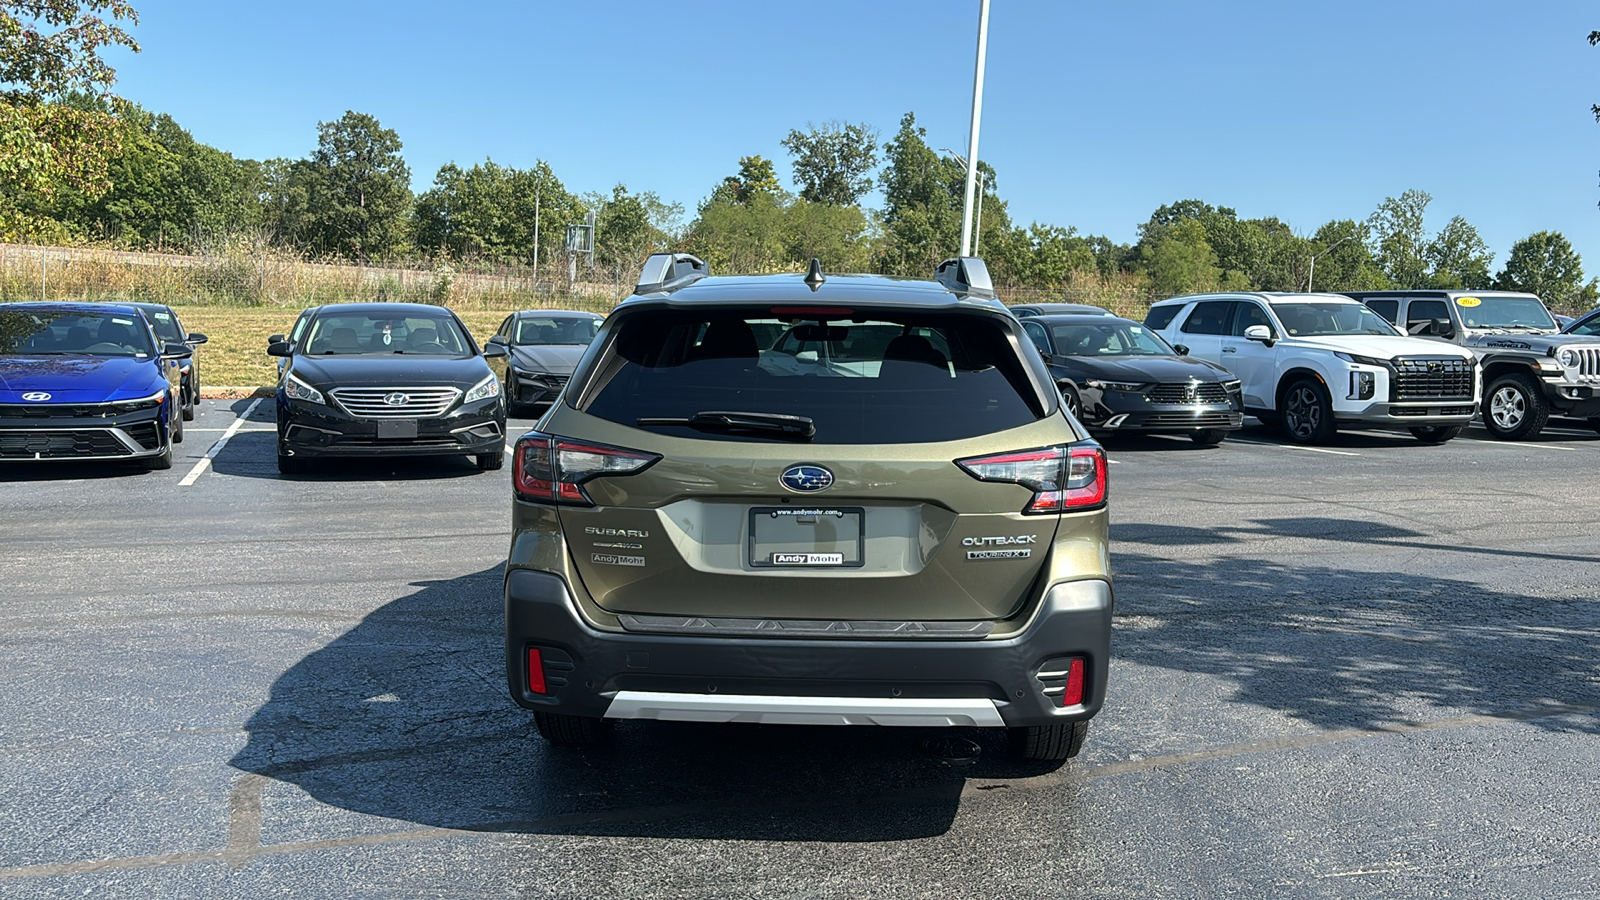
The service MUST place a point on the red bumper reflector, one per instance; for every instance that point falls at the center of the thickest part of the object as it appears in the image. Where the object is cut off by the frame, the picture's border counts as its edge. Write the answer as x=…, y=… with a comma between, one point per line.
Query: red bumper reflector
x=536, y=672
x=1072, y=696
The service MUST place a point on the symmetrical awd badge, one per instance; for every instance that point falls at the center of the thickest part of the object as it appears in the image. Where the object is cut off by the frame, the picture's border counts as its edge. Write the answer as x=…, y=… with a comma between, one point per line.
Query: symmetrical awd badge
x=806, y=479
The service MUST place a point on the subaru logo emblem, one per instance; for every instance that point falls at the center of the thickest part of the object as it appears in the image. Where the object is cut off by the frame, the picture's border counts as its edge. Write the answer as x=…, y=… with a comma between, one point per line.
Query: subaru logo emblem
x=396, y=399
x=806, y=479
x=36, y=396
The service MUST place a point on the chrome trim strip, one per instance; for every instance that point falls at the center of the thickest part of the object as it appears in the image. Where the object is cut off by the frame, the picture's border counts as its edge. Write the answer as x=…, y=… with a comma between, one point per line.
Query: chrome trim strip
x=932, y=713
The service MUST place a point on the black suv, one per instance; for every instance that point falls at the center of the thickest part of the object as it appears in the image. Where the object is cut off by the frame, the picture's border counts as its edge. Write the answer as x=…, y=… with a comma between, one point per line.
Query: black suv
x=884, y=518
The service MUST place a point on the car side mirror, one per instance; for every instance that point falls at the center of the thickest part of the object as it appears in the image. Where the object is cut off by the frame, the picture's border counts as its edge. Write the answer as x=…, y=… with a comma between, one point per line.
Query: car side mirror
x=274, y=339
x=1262, y=333
x=175, y=350
x=1182, y=349
x=1442, y=328
x=492, y=350
x=498, y=339
x=280, y=348
x=196, y=338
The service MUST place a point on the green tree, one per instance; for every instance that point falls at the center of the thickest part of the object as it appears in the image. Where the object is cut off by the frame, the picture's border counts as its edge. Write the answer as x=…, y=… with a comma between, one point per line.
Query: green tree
x=1544, y=263
x=1398, y=240
x=756, y=178
x=1344, y=259
x=351, y=198
x=628, y=228
x=491, y=211
x=1458, y=257
x=1182, y=260
x=47, y=49
x=833, y=163
x=922, y=203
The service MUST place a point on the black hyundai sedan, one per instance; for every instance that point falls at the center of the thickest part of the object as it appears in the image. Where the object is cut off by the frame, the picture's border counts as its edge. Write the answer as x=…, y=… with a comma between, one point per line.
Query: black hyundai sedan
x=391, y=379
x=1116, y=375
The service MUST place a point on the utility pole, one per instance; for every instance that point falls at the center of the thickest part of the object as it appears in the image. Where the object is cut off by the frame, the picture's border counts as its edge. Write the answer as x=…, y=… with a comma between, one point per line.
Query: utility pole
x=972, y=140
x=1312, y=269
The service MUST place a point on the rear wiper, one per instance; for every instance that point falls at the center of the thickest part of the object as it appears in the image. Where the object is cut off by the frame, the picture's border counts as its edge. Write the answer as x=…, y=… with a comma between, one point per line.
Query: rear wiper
x=800, y=428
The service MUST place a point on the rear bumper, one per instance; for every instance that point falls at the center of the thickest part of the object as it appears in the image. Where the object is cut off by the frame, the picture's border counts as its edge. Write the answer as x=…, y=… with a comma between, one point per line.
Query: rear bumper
x=589, y=671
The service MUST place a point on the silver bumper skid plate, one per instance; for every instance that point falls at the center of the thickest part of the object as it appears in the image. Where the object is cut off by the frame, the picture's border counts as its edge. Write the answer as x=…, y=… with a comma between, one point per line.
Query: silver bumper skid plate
x=752, y=708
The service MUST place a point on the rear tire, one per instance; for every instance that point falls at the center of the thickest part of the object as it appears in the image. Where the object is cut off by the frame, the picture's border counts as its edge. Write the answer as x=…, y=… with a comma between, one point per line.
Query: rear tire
x=1061, y=740
x=572, y=731
x=1514, y=408
x=1307, y=413
x=489, y=462
x=1208, y=437
x=1435, y=434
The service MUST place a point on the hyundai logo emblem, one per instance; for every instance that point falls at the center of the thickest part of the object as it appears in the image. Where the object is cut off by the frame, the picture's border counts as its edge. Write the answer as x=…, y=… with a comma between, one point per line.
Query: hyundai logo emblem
x=806, y=479
x=396, y=399
x=36, y=396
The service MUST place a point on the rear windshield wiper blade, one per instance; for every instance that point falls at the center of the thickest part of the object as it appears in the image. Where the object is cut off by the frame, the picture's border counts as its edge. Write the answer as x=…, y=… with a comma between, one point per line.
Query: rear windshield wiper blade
x=797, y=427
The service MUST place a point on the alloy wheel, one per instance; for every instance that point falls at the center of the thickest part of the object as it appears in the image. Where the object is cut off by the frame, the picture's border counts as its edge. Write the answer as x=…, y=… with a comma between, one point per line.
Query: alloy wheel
x=1508, y=407
x=1302, y=413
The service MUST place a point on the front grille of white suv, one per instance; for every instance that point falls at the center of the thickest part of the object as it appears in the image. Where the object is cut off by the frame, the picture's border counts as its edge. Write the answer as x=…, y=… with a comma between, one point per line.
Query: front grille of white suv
x=1432, y=378
x=1588, y=362
x=396, y=402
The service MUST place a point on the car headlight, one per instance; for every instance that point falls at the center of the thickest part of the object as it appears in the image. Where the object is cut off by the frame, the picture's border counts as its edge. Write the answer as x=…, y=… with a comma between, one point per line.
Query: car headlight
x=149, y=402
x=1363, y=360
x=1132, y=387
x=1567, y=356
x=295, y=389
x=1231, y=386
x=489, y=387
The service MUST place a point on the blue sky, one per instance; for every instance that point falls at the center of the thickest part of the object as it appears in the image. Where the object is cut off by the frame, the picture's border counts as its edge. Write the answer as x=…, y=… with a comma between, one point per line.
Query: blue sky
x=1094, y=113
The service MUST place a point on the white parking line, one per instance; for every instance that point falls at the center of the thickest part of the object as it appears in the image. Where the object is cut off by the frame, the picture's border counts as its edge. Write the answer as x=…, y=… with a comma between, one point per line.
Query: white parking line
x=511, y=450
x=205, y=461
x=1520, y=445
x=1232, y=440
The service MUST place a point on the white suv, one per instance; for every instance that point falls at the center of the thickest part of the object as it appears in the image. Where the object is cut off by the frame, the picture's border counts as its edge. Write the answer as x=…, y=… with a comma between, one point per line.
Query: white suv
x=1313, y=362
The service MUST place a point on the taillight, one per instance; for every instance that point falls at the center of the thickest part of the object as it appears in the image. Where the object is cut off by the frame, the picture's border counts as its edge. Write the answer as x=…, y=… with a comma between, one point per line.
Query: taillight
x=1061, y=478
x=551, y=469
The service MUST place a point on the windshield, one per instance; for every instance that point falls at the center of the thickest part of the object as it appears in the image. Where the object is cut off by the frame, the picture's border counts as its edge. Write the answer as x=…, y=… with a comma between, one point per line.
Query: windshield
x=882, y=377
x=1331, y=318
x=43, y=332
x=1110, y=339
x=535, y=331
x=344, y=333
x=1504, y=312
x=165, y=324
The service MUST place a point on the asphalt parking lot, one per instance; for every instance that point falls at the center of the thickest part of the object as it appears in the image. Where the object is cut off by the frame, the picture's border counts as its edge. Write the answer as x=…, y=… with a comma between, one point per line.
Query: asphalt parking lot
x=1362, y=669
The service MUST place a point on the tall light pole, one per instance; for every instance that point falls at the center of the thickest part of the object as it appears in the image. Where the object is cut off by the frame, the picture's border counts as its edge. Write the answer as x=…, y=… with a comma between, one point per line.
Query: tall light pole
x=1312, y=270
x=977, y=228
x=972, y=141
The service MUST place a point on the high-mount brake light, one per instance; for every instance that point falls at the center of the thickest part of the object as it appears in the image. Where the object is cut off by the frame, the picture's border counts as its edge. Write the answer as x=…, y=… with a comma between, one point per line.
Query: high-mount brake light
x=551, y=469
x=832, y=312
x=1062, y=479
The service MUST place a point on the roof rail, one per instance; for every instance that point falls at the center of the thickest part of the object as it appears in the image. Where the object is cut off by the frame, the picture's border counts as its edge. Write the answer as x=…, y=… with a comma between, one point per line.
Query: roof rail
x=966, y=275
x=666, y=272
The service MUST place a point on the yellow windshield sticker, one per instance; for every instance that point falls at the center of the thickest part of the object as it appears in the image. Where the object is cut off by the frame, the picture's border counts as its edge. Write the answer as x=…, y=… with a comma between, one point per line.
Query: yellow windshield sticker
x=1468, y=301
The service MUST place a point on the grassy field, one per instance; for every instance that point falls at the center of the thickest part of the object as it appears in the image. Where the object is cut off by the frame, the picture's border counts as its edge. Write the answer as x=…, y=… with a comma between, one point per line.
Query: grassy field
x=235, y=353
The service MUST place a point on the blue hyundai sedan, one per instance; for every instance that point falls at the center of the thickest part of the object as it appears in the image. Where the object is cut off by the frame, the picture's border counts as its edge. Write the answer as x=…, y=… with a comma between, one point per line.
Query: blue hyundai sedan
x=85, y=381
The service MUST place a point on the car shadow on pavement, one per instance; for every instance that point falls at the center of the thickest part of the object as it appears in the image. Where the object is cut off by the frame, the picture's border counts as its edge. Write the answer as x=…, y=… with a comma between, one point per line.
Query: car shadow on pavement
x=1345, y=648
x=54, y=470
x=407, y=716
x=254, y=454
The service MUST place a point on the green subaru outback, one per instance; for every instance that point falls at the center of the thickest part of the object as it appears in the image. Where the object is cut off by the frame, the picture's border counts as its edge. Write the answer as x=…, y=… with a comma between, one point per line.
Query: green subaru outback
x=810, y=499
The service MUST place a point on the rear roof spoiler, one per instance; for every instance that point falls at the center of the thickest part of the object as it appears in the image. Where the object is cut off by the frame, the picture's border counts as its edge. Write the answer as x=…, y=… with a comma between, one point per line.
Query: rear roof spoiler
x=966, y=275
x=667, y=272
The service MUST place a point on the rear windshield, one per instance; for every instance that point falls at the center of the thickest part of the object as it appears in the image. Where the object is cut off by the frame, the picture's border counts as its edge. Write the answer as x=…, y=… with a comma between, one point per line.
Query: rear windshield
x=343, y=333
x=165, y=324
x=864, y=378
